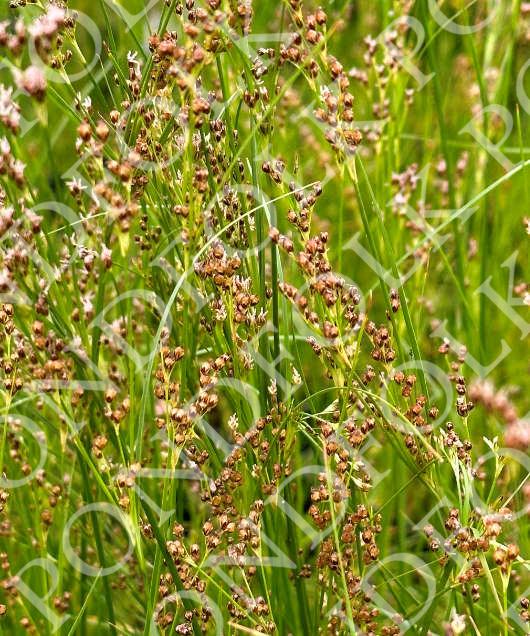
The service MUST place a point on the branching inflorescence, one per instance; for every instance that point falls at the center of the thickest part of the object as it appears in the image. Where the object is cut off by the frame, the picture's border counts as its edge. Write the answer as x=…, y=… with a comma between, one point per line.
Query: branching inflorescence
x=208, y=426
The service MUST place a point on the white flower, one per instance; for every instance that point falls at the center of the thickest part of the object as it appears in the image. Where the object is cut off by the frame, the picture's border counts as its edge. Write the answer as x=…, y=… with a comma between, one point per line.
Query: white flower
x=47, y=25
x=87, y=104
x=297, y=378
x=9, y=109
x=5, y=148
x=247, y=359
x=14, y=118
x=458, y=622
x=33, y=218
x=6, y=218
x=5, y=280
x=88, y=306
x=132, y=59
x=106, y=255
x=19, y=167
x=76, y=185
x=233, y=422
x=5, y=99
x=400, y=200
x=220, y=312
x=76, y=346
x=244, y=283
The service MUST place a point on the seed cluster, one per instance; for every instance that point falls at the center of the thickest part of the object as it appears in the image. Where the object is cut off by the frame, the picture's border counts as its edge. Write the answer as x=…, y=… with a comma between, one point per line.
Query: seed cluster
x=193, y=357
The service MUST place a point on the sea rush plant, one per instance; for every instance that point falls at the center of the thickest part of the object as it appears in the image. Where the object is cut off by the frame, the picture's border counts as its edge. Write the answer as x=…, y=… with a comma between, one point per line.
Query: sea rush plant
x=235, y=316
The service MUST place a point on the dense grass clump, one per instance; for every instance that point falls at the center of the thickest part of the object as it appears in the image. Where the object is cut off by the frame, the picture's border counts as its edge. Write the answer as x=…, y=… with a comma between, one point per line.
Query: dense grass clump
x=264, y=317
